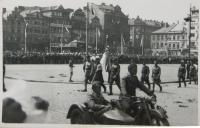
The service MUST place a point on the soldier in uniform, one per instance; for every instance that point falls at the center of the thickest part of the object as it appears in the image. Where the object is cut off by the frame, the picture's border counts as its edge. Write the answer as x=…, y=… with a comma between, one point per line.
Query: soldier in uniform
x=188, y=69
x=156, y=72
x=87, y=69
x=192, y=73
x=181, y=74
x=114, y=75
x=145, y=75
x=71, y=65
x=97, y=102
x=98, y=76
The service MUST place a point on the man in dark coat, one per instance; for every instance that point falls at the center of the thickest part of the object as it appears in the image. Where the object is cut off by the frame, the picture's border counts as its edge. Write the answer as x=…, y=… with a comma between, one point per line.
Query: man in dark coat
x=145, y=75
x=181, y=74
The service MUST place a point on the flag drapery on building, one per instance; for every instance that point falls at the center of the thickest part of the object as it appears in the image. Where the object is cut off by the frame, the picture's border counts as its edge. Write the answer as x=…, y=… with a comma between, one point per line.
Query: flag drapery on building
x=94, y=10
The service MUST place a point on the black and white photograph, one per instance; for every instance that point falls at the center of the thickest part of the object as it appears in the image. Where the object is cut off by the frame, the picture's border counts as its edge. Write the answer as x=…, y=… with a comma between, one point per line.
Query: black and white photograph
x=99, y=63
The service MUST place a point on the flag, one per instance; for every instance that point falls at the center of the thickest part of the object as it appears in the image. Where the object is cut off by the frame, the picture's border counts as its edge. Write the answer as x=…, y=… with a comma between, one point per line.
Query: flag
x=98, y=32
x=67, y=29
x=123, y=41
x=142, y=41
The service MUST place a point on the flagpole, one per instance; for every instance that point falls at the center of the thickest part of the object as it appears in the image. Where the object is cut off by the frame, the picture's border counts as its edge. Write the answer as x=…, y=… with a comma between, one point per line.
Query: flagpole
x=121, y=45
x=61, y=39
x=86, y=39
x=96, y=40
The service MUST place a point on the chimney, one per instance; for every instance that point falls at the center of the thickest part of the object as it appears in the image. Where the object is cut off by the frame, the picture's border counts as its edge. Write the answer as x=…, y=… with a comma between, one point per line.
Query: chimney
x=4, y=10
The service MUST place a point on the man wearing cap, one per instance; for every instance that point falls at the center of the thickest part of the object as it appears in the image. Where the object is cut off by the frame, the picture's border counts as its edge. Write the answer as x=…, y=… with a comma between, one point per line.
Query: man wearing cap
x=98, y=76
x=128, y=88
x=87, y=69
x=131, y=82
x=97, y=102
x=156, y=72
x=181, y=74
x=145, y=75
x=114, y=75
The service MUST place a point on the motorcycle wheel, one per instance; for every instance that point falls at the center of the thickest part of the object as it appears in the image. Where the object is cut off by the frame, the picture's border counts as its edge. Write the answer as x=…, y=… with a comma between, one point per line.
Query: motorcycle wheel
x=77, y=117
x=156, y=120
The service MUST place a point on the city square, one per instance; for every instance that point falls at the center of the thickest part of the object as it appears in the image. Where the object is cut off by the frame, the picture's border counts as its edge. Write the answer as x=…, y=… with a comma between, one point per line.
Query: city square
x=181, y=103
x=96, y=62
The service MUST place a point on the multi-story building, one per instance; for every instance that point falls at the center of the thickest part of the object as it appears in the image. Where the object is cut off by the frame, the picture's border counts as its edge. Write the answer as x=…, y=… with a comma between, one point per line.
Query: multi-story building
x=113, y=24
x=194, y=29
x=37, y=28
x=60, y=27
x=140, y=34
x=169, y=40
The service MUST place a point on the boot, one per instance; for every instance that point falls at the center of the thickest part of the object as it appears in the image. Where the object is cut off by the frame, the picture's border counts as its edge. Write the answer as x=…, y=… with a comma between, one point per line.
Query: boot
x=110, y=87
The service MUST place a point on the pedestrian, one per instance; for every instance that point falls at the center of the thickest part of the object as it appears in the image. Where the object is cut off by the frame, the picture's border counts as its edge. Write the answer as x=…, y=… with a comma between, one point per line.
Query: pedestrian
x=114, y=75
x=98, y=76
x=156, y=72
x=188, y=69
x=145, y=75
x=4, y=71
x=192, y=72
x=71, y=66
x=87, y=70
x=181, y=74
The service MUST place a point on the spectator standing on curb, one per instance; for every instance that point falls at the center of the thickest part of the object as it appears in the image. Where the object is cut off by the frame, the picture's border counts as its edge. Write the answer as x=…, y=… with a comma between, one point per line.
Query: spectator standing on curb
x=71, y=66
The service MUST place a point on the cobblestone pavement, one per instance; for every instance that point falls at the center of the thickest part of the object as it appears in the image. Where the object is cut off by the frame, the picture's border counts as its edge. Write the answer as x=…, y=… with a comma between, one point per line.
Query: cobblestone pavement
x=180, y=103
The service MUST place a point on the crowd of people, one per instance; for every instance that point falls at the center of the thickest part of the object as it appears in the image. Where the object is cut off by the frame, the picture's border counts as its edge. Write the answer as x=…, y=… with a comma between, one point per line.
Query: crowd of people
x=78, y=58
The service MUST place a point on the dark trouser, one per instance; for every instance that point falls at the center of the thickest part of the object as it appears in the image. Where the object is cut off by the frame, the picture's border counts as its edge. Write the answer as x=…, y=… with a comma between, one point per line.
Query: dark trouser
x=4, y=88
x=192, y=78
x=146, y=79
x=179, y=81
x=188, y=74
x=116, y=80
x=87, y=77
x=157, y=81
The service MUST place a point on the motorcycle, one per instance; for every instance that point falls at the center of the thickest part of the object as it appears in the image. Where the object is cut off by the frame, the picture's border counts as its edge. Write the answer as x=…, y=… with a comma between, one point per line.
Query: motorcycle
x=124, y=111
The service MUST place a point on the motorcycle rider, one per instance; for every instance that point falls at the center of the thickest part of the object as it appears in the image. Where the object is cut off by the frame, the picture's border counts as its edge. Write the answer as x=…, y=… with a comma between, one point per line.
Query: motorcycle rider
x=181, y=74
x=129, y=85
x=145, y=75
x=114, y=75
x=96, y=101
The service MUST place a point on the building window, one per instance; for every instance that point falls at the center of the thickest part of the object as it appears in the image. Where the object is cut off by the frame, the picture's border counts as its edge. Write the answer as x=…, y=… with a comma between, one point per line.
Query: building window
x=173, y=46
x=178, y=37
x=177, y=46
x=183, y=37
x=161, y=37
x=161, y=45
x=174, y=37
x=169, y=46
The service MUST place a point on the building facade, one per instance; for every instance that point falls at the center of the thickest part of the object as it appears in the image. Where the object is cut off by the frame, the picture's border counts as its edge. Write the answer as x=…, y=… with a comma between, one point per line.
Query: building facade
x=140, y=34
x=194, y=28
x=113, y=23
x=37, y=28
x=169, y=41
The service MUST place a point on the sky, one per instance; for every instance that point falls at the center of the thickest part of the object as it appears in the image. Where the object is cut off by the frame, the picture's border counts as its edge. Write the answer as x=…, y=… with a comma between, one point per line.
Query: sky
x=170, y=11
